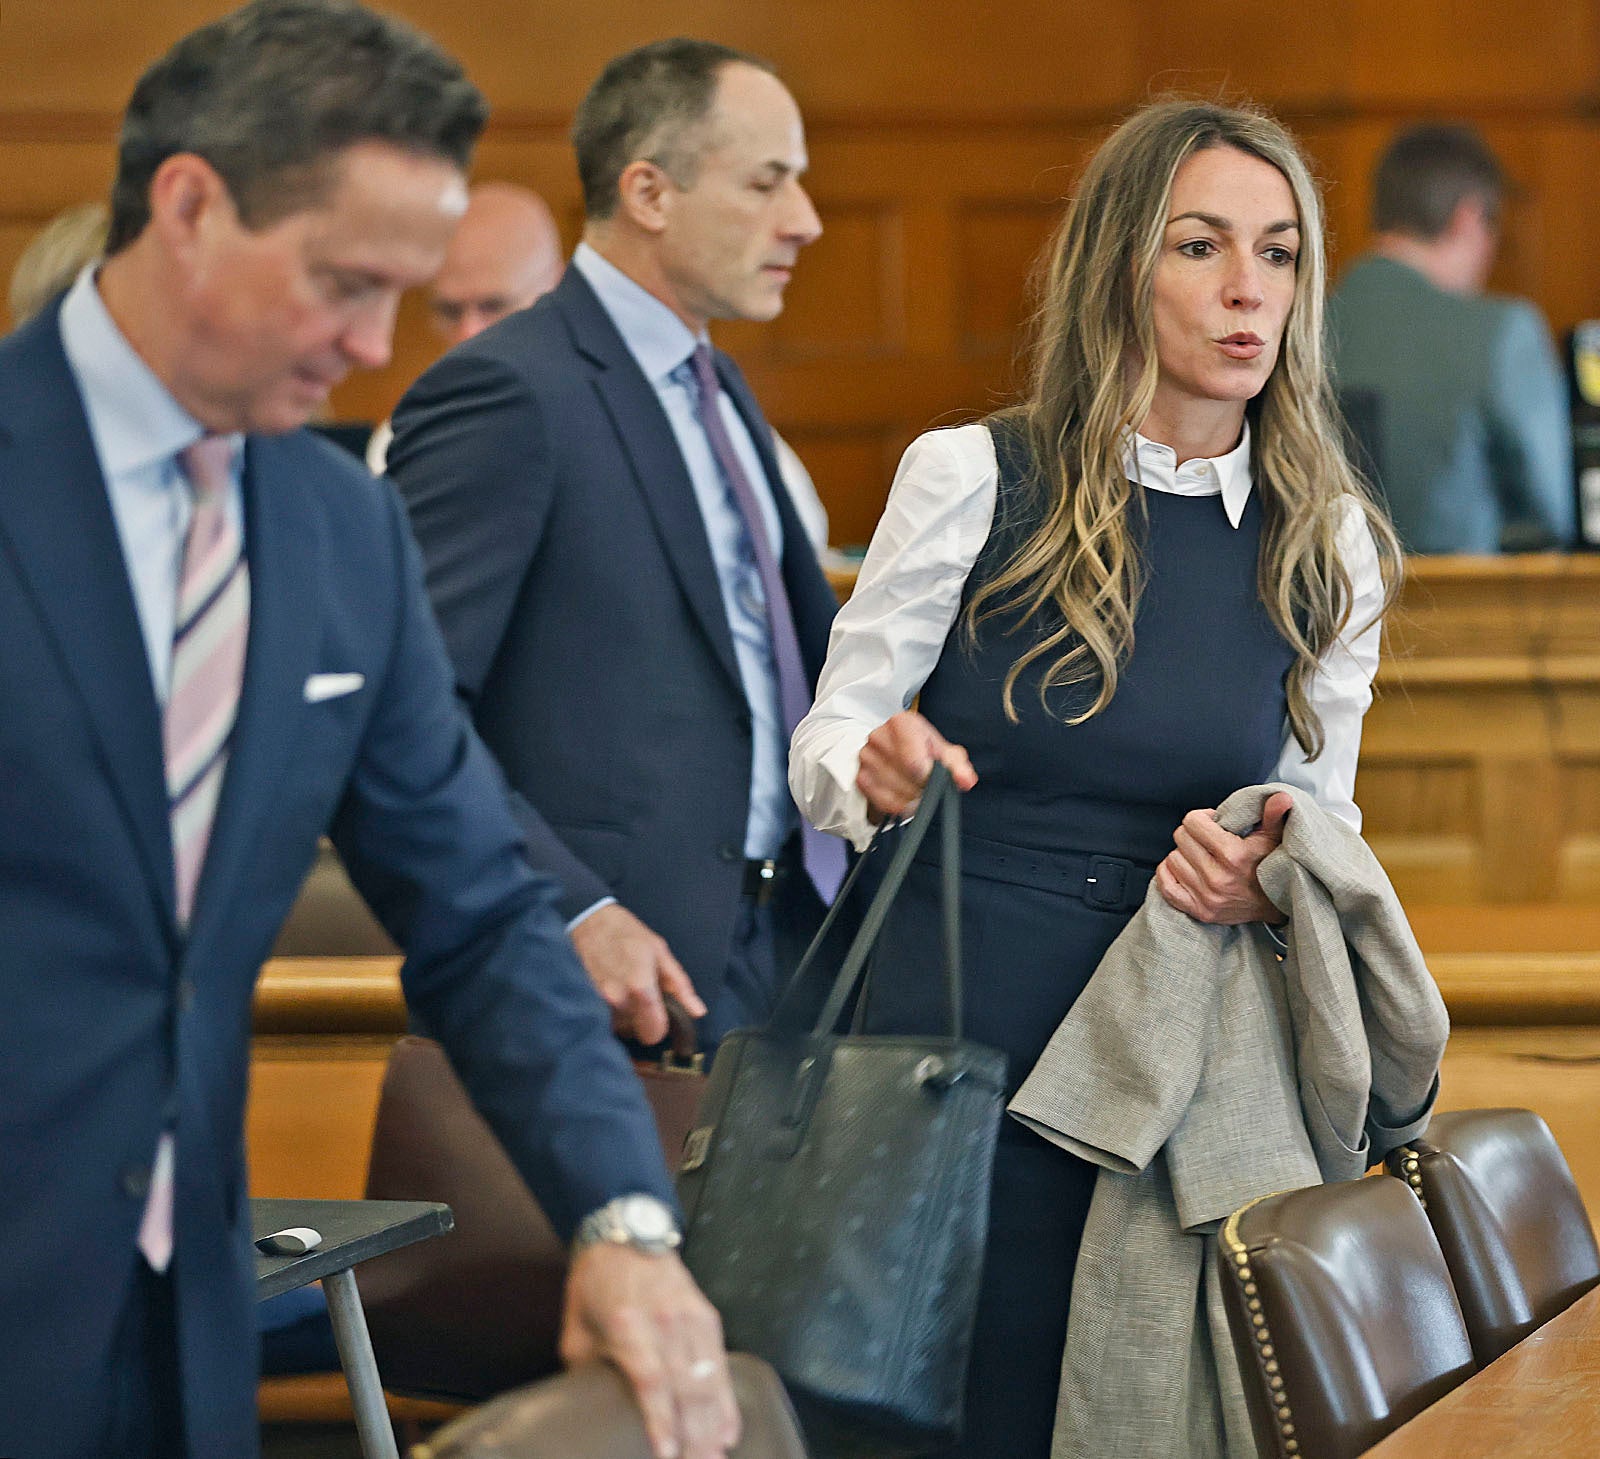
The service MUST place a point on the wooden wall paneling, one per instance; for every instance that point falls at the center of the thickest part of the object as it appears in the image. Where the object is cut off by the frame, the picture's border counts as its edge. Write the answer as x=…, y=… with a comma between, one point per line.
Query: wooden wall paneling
x=1562, y=176
x=852, y=468
x=1578, y=875
x=868, y=59
x=1000, y=247
x=1520, y=265
x=1296, y=56
x=82, y=56
x=1462, y=54
x=1421, y=815
x=39, y=176
x=847, y=299
x=1555, y=1071
x=1504, y=736
x=942, y=141
x=1478, y=774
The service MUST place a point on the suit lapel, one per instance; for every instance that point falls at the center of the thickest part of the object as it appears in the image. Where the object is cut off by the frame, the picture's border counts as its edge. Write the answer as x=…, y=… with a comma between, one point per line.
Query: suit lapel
x=641, y=425
x=57, y=526
x=285, y=566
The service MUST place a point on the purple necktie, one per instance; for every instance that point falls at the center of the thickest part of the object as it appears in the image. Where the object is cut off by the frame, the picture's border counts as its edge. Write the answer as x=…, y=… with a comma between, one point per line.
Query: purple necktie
x=824, y=855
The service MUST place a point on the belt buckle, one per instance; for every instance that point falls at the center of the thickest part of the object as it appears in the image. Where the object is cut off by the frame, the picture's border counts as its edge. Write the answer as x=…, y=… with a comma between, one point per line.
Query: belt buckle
x=1106, y=884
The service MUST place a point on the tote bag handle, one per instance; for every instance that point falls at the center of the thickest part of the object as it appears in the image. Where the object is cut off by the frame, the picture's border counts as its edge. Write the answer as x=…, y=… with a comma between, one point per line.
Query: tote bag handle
x=940, y=801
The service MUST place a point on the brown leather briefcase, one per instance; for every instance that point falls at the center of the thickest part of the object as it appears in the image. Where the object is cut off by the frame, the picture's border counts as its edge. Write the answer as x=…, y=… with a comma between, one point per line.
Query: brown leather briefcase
x=588, y=1413
x=476, y=1311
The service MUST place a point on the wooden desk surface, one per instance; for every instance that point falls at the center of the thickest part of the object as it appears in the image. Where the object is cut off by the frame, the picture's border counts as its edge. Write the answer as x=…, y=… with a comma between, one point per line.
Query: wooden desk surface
x=1539, y=1399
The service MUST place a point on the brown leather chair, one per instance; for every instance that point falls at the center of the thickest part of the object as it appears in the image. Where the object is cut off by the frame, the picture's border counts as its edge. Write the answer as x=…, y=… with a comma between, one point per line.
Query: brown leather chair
x=1342, y=1315
x=329, y=919
x=481, y=1311
x=588, y=1413
x=1509, y=1219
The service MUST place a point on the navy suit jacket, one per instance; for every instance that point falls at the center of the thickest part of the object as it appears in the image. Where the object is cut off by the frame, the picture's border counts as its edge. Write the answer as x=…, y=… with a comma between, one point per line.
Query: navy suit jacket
x=569, y=565
x=113, y=1024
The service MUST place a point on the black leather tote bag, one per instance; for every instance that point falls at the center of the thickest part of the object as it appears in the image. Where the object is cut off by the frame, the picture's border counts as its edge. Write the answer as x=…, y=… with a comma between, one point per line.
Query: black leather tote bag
x=836, y=1189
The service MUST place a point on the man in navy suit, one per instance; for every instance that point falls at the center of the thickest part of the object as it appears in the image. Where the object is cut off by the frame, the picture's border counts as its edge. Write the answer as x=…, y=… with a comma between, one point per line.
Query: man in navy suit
x=634, y=612
x=217, y=644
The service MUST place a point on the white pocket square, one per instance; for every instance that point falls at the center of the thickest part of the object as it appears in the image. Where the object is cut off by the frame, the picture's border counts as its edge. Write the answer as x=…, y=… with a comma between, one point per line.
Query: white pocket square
x=332, y=686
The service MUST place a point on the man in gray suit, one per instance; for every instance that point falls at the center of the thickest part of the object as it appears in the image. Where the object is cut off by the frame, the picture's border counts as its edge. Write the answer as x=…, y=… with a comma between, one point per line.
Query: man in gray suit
x=1473, y=441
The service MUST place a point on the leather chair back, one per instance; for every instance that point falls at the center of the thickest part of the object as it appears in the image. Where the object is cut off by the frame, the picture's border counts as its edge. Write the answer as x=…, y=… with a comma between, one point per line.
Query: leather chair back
x=478, y=1310
x=1342, y=1316
x=588, y=1413
x=329, y=919
x=1509, y=1219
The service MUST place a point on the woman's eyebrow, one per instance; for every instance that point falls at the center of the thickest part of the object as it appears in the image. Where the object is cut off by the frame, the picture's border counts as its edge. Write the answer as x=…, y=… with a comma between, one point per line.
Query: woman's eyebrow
x=1224, y=225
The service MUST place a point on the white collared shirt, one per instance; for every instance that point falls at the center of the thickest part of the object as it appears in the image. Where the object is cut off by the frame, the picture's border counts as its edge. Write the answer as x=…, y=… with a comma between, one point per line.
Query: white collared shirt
x=138, y=430
x=889, y=635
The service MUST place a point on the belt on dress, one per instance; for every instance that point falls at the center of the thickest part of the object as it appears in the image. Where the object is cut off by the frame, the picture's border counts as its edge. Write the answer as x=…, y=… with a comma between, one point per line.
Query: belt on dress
x=1108, y=883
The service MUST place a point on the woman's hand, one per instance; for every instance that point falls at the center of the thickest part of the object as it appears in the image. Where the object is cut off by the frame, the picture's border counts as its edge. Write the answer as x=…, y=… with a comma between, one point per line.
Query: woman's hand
x=1212, y=874
x=897, y=759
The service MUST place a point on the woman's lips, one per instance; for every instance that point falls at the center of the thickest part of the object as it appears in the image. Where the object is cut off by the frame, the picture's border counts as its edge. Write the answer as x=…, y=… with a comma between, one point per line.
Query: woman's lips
x=1242, y=346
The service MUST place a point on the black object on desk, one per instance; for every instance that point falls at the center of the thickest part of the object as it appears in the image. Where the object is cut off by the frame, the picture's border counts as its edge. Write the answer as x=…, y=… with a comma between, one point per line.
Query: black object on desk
x=352, y=1232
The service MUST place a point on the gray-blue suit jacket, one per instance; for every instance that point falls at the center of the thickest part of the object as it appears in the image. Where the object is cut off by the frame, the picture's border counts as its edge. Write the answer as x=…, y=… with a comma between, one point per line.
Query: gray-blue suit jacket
x=1474, y=436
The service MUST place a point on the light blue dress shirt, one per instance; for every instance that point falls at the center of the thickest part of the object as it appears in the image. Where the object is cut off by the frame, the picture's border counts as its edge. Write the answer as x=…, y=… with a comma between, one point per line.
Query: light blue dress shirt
x=662, y=344
x=138, y=430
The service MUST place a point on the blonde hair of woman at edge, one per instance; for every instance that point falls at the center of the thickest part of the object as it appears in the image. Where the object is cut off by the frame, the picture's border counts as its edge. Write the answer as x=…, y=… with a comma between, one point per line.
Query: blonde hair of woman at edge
x=1092, y=379
x=55, y=256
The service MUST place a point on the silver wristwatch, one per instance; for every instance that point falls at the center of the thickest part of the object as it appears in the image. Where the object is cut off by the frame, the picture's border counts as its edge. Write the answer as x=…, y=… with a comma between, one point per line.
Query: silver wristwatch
x=639, y=1221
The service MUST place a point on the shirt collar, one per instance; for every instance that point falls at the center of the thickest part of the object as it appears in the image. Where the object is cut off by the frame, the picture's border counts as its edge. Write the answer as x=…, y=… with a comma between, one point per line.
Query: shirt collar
x=134, y=419
x=656, y=338
x=1156, y=466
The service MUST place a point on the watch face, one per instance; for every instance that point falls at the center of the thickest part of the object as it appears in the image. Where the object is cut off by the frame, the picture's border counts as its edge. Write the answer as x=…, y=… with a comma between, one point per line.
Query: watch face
x=646, y=1219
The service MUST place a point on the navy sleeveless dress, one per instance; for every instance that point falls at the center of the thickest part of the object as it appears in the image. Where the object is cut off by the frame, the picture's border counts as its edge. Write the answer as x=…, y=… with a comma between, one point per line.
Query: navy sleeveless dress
x=1060, y=837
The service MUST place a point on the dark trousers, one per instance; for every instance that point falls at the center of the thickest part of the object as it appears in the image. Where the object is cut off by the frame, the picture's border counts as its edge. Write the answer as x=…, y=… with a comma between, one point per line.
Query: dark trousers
x=146, y=1390
x=769, y=938
x=751, y=983
x=1039, y=1203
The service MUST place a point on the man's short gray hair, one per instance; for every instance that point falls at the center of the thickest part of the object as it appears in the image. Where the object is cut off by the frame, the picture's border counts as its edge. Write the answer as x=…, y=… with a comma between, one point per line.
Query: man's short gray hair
x=649, y=104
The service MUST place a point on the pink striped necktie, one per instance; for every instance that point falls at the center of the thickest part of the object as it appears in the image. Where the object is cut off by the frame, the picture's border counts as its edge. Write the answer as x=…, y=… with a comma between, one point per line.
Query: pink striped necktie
x=208, y=644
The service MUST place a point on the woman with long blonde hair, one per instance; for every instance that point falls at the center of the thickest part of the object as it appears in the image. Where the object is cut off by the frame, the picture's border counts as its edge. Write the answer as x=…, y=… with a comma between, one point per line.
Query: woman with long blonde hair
x=1153, y=581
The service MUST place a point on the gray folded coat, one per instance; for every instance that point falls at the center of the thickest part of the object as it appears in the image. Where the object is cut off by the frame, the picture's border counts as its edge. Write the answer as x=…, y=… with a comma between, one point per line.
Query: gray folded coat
x=1200, y=1069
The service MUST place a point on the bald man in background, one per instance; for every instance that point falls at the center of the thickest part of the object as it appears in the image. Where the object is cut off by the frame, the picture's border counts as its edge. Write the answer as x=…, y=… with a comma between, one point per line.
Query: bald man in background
x=505, y=254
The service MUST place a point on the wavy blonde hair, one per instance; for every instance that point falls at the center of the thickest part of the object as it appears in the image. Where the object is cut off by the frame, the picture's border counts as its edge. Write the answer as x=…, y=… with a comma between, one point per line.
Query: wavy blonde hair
x=1084, y=397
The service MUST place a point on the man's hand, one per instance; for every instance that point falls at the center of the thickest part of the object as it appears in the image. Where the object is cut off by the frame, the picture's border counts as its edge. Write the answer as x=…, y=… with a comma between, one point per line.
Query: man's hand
x=897, y=759
x=633, y=967
x=1212, y=874
x=645, y=1314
